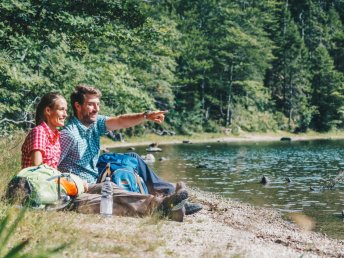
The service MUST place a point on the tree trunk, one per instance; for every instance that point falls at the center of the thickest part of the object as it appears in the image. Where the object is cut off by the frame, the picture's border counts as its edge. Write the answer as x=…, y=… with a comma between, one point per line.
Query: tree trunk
x=203, y=100
x=285, y=21
x=229, y=101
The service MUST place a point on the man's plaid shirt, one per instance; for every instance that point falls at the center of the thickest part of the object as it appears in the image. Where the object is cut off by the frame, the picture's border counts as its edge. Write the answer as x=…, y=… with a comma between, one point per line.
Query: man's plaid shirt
x=80, y=147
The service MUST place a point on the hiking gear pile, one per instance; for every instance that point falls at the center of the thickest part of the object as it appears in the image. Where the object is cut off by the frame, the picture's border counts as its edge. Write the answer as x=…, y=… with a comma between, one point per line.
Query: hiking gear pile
x=44, y=187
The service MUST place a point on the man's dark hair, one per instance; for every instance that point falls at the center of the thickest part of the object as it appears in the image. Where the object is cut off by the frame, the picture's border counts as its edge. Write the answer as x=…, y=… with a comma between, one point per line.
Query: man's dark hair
x=79, y=94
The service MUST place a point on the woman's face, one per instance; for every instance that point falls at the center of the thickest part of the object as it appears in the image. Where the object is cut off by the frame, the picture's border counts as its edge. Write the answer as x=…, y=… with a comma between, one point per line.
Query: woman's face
x=56, y=115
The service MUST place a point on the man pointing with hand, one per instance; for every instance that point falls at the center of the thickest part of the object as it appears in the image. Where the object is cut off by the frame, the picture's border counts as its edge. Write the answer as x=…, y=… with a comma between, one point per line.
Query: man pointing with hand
x=80, y=139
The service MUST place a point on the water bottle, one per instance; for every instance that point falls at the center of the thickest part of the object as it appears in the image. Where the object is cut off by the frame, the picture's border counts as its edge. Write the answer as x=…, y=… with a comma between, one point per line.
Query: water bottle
x=107, y=198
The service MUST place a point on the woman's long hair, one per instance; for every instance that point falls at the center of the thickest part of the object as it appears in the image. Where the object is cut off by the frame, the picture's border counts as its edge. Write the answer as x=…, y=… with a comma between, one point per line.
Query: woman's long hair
x=48, y=100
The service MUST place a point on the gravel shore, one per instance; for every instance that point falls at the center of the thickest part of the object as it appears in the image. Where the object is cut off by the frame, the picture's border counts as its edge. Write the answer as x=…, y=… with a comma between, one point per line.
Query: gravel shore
x=232, y=228
x=224, y=228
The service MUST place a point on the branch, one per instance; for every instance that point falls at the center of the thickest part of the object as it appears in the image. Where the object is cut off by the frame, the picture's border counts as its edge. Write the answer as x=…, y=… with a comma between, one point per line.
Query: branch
x=16, y=122
x=25, y=115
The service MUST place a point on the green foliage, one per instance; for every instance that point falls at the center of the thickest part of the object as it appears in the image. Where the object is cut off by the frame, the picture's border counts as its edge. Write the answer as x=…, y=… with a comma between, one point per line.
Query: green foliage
x=289, y=78
x=254, y=120
x=206, y=61
x=327, y=91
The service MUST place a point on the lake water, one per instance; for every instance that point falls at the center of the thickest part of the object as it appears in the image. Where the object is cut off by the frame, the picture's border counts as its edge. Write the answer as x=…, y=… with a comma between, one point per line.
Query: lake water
x=234, y=170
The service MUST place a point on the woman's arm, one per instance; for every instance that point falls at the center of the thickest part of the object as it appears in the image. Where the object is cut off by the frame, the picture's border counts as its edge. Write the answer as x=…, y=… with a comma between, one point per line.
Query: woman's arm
x=36, y=158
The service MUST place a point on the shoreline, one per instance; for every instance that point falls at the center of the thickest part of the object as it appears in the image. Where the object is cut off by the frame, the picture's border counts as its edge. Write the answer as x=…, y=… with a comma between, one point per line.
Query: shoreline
x=165, y=140
x=231, y=228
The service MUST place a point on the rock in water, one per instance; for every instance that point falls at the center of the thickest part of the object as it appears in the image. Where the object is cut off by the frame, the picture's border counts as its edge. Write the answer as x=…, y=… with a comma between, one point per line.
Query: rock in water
x=149, y=158
x=285, y=139
x=153, y=149
x=265, y=180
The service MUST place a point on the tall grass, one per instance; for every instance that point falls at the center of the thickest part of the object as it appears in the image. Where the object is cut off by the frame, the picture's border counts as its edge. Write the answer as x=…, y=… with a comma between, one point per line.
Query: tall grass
x=10, y=159
x=20, y=229
x=38, y=232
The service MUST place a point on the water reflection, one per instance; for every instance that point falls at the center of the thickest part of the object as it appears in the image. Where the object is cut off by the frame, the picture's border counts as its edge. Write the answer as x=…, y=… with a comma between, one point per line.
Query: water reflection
x=235, y=169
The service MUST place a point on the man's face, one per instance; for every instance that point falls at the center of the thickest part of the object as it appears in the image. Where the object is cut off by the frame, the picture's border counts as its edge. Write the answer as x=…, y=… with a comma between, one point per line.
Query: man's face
x=87, y=112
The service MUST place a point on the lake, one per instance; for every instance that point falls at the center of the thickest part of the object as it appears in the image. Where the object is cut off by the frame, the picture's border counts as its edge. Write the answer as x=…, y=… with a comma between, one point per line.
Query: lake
x=298, y=173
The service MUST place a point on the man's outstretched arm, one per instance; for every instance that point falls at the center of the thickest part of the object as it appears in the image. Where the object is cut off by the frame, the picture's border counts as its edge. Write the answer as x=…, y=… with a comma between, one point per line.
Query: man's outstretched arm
x=130, y=120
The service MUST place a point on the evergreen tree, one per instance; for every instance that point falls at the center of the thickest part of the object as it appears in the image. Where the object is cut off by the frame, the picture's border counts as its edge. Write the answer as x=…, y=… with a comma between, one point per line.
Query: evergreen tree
x=289, y=79
x=328, y=92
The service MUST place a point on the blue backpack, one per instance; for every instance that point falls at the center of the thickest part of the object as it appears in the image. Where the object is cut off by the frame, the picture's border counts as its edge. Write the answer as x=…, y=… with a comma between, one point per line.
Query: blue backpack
x=122, y=170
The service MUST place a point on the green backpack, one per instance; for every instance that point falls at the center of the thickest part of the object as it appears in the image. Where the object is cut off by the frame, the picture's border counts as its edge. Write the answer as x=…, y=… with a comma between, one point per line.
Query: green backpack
x=39, y=187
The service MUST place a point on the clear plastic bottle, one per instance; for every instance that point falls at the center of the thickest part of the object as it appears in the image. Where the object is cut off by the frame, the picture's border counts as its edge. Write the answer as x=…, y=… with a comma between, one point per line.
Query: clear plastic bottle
x=107, y=198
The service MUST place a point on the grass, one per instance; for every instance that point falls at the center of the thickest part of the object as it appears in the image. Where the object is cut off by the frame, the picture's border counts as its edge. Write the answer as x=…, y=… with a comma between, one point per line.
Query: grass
x=84, y=235
x=10, y=159
x=7, y=230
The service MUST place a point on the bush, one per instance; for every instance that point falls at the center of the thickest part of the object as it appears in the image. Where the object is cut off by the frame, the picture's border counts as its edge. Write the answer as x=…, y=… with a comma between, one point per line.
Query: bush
x=254, y=121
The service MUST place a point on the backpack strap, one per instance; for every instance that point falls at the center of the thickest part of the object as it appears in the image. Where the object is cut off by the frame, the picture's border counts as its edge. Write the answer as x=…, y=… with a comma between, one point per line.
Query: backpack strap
x=106, y=173
x=59, y=187
x=138, y=179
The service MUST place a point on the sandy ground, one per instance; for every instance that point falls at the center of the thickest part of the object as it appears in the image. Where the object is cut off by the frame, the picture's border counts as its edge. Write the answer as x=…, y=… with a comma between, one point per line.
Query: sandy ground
x=226, y=228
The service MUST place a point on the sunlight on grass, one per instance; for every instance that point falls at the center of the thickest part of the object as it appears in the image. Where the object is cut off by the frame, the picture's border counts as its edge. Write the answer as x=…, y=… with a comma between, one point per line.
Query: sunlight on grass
x=10, y=159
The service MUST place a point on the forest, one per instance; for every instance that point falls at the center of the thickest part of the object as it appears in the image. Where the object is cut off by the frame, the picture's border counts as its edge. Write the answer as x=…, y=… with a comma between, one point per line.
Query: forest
x=256, y=66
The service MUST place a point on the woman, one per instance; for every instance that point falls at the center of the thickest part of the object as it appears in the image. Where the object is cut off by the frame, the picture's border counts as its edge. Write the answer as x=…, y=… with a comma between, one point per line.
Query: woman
x=42, y=144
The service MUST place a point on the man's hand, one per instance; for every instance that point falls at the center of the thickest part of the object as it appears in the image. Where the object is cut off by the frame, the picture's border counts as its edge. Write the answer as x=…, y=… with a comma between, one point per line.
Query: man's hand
x=156, y=116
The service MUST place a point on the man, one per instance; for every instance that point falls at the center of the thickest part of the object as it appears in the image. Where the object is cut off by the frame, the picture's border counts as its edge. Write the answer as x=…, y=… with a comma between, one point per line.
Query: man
x=80, y=141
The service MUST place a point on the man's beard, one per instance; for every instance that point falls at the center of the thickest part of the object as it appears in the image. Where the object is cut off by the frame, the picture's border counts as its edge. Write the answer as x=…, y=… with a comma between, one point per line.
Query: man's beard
x=87, y=120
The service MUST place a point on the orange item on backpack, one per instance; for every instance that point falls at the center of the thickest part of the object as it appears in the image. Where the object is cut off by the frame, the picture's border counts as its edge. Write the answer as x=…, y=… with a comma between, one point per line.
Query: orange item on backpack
x=69, y=185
